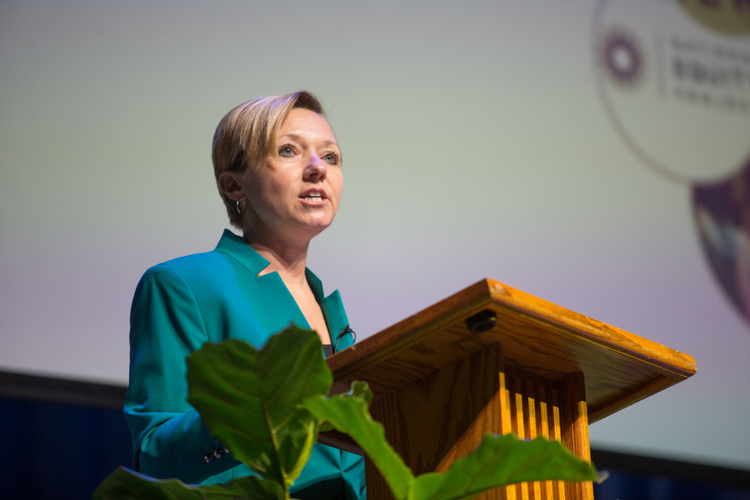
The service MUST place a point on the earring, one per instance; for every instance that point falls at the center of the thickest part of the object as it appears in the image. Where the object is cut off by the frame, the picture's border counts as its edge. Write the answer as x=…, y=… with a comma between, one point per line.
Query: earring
x=240, y=206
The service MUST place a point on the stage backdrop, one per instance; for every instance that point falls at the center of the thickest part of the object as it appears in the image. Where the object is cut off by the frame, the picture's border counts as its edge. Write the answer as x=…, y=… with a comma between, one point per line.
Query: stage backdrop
x=591, y=153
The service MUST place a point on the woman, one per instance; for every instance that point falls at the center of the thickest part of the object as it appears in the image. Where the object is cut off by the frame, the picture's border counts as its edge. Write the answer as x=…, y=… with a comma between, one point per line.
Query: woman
x=278, y=169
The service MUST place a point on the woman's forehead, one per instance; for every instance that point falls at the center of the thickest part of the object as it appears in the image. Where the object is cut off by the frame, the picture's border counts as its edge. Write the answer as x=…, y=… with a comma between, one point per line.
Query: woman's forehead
x=303, y=124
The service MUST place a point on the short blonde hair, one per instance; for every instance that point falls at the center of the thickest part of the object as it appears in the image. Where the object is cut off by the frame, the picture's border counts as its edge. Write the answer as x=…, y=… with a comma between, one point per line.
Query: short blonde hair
x=247, y=135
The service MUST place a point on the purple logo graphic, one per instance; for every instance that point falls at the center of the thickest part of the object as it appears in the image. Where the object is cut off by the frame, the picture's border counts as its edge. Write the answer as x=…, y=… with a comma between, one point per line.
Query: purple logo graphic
x=622, y=58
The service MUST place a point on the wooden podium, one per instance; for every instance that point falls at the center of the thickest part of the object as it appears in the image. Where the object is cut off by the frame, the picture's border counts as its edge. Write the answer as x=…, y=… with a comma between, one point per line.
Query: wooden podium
x=493, y=359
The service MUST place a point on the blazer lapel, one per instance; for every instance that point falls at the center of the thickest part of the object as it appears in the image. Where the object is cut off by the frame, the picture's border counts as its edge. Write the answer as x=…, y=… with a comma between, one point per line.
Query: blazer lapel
x=333, y=310
x=268, y=293
x=275, y=291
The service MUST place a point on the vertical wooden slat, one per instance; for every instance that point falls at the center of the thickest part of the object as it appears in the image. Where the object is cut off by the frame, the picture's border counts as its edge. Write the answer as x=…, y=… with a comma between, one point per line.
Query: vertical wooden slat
x=548, y=492
x=512, y=400
x=521, y=426
x=575, y=429
x=532, y=399
x=557, y=434
x=506, y=424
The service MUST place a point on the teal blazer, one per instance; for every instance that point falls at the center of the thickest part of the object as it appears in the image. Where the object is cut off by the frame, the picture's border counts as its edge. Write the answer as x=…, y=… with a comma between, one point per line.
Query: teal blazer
x=180, y=305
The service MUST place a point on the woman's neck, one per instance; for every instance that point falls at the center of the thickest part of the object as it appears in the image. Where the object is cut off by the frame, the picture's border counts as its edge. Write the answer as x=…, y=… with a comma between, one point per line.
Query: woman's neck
x=289, y=260
x=288, y=257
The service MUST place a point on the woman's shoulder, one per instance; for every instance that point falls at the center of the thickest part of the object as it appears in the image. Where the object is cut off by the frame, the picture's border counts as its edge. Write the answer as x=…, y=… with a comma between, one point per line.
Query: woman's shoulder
x=190, y=263
x=200, y=262
x=199, y=267
x=230, y=263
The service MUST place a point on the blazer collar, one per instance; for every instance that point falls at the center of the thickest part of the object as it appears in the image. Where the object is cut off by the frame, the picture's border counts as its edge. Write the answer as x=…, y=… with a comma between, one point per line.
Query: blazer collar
x=234, y=246
x=332, y=306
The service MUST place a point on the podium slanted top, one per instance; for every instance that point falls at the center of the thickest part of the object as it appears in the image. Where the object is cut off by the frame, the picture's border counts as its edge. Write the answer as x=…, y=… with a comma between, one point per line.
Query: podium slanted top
x=620, y=368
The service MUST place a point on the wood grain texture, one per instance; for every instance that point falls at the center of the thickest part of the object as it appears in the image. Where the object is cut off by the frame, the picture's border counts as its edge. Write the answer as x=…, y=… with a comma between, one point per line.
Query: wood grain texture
x=619, y=368
x=575, y=429
x=377, y=488
x=535, y=404
x=542, y=370
x=443, y=417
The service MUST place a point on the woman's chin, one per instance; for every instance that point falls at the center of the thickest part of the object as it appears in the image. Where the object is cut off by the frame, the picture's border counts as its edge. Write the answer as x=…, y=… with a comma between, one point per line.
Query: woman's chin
x=314, y=226
x=320, y=226
x=319, y=220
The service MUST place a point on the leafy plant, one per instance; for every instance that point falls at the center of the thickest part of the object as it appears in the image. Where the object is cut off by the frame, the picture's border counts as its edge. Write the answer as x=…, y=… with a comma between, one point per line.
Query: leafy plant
x=267, y=407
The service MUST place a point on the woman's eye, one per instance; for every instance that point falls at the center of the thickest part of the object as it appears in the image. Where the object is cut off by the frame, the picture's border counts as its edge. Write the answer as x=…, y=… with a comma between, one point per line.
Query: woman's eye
x=286, y=151
x=332, y=158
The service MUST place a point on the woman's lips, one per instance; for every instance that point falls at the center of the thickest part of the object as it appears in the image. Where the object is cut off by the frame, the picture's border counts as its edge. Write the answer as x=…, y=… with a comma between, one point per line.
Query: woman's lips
x=313, y=196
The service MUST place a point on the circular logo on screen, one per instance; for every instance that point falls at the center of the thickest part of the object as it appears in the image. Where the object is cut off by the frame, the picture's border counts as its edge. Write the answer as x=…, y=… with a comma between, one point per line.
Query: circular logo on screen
x=675, y=82
x=622, y=57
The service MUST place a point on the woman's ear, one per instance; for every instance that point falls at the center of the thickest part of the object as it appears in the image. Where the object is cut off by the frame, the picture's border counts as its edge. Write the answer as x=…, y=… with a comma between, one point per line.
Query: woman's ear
x=229, y=184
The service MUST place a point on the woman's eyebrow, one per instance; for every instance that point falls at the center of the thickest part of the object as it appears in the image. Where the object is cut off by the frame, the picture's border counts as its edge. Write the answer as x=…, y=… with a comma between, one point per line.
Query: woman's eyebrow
x=296, y=137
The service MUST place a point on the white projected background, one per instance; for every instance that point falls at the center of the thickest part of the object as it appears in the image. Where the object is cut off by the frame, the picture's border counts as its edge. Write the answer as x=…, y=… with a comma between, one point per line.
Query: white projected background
x=475, y=145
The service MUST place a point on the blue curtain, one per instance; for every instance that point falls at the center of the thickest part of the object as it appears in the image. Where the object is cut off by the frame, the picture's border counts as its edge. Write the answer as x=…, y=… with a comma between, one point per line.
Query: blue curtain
x=51, y=450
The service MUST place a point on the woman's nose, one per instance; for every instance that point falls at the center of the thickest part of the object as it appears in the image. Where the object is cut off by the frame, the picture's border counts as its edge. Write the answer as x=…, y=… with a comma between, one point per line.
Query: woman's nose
x=316, y=169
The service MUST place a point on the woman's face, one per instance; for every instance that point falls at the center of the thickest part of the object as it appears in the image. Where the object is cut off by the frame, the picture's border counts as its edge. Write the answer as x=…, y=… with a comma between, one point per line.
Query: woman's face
x=295, y=193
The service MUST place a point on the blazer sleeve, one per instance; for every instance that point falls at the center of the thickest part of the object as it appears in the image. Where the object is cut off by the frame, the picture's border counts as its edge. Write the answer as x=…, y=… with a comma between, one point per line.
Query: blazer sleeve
x=169, y=436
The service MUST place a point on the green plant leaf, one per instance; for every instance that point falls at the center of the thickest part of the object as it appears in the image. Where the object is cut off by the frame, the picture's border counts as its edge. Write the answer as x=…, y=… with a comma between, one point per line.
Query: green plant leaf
x=361, y=390
x=249, y=399
x=124, y=484
x=500, y=461
x=349, y=413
